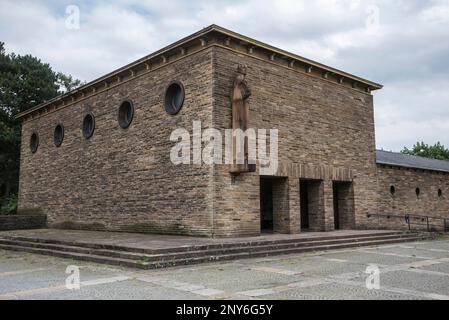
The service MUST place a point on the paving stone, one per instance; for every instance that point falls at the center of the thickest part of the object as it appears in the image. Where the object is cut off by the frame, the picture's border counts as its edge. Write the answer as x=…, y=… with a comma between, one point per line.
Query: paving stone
x=335, y=291
x=208, y=292
x=332, y=279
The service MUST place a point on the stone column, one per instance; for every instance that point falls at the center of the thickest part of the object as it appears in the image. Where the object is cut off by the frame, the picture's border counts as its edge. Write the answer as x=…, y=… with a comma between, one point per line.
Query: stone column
x=328, y=205
x=281, y=219
x=346, y=206
x=294, y=206
x=321, y=206
x=316, y=208
x=286, y=211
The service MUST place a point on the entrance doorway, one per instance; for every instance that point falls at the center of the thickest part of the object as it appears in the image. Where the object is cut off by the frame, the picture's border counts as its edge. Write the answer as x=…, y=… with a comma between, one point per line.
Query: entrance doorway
x=266, y=205
x=274, y=206
x=311, y=203
x=344, y=215
x=304, y=204
x=336, y=210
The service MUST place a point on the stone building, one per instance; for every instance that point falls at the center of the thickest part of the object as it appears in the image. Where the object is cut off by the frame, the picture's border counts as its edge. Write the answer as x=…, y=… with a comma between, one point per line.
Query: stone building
x=98, y=157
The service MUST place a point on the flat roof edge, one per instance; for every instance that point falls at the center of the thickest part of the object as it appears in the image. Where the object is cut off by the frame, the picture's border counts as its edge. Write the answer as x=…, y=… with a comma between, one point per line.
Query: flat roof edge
x=197, y=35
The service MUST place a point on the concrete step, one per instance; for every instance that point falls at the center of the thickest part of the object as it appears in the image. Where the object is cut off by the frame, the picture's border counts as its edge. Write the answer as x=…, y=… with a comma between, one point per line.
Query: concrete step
x=144, y=262
x=198, y=253
x=74, y=256
x=246, y=255
x=224, y=244
x=253, y=249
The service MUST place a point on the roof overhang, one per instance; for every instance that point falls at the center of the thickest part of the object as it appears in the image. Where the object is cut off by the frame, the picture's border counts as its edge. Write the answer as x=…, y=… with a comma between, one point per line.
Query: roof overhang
x=400, y=160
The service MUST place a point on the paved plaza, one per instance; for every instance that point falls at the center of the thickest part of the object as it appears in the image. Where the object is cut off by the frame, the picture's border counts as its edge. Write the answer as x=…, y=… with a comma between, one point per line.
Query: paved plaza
x=407, y=272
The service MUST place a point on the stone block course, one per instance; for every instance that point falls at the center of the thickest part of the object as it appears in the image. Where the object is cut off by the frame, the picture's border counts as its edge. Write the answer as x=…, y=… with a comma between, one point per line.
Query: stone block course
x=120, y=179
x=22, y=222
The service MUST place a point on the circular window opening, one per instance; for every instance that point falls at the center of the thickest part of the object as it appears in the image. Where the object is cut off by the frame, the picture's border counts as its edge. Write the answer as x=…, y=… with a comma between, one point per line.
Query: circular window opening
x=440, y=193
x=392, y=190
x=88, y=126
x=59, y=135
x=125, y=114
x=174, y=97
x=34, y=142
x=418, y=192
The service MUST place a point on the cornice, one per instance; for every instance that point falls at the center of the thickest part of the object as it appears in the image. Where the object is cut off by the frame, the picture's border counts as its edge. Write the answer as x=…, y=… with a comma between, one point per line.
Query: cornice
x=203, y=39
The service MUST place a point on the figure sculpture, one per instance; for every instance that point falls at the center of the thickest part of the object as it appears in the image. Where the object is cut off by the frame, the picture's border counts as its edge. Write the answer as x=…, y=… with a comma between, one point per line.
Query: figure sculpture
x=240, y=122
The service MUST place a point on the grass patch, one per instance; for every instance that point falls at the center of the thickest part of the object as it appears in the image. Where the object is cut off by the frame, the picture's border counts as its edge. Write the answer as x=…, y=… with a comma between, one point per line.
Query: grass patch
x=145, y=260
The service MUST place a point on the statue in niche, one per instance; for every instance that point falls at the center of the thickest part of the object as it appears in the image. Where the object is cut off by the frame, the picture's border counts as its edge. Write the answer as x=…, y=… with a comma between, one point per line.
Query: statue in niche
x=240, y=120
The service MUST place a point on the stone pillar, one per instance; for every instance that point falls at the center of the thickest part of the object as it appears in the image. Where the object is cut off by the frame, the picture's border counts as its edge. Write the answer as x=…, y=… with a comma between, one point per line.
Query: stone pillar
x=286, y=211
x=294, y=206
x=346, y=206
x=281, y=221
x=321, y=206
x=315, y=200
x=236, y=205
x=328, y=205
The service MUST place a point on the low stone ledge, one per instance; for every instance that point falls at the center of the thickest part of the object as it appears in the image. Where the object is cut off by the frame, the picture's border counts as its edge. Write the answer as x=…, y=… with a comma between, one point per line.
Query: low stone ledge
x=22, y=222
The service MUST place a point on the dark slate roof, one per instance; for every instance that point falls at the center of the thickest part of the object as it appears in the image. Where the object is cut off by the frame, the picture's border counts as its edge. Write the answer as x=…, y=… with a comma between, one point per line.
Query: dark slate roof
x=403, y=160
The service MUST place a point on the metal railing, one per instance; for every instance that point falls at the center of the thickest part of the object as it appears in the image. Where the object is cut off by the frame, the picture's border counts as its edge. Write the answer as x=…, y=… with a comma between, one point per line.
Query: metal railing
x=416, y=222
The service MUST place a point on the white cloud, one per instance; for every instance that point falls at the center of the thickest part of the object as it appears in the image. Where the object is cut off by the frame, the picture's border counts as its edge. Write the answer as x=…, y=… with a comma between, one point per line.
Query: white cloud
x=438, y=14
x=406, y=51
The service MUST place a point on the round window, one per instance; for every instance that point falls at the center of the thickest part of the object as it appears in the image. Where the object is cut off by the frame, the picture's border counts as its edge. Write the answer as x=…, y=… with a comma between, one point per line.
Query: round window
x=392, y=190
x=125, y=114
x=34, y=142
x=174, y=97
x=59, y=135
x=88, y=125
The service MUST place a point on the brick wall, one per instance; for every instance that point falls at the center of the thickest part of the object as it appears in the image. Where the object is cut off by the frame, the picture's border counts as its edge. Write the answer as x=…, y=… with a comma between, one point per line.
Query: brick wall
x=405, y=201
x=123, y=180
x=324, y=129
x=22, y=222
x=345, y=196
x=316, y=206
x=281, y=217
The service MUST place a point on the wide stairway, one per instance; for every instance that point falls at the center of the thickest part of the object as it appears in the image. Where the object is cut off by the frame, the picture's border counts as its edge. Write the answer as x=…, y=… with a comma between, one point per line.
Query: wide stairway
x=144, y=258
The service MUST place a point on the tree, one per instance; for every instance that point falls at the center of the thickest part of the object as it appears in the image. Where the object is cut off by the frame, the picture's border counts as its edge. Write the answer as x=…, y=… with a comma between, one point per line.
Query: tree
x=66, y=83
x=25, y=82
x=437, y=151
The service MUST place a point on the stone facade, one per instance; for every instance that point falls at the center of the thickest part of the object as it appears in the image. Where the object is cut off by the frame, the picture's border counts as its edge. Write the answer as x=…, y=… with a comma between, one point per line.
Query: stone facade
x=398, y=196
x=123, y=179
x=23, y=222
x=333, y=134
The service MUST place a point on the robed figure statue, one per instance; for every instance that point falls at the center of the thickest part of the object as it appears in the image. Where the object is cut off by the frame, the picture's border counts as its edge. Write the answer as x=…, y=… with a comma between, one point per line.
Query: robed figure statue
x=240, y=122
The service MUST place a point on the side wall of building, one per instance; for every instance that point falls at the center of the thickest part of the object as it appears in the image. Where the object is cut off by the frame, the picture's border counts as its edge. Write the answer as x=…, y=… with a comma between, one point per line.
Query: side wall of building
x=123, y=179
x=326, y=132
x=397, y=189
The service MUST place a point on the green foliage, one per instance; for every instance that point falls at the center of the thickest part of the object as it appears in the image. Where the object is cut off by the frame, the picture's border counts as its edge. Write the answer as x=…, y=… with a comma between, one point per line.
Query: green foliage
x=9, y=206
x=25, y=82
x=66, y=83
x=437, y=151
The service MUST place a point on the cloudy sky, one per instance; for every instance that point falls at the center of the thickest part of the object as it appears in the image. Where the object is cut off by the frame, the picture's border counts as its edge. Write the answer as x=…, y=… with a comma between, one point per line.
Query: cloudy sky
x=403, y=44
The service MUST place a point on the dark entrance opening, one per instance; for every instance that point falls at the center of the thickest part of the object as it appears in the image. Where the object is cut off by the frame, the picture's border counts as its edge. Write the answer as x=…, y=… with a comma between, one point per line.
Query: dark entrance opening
x=336, y=211
x=266, y=205
x=304, y=204
x=344, y=215
x=312, y=205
